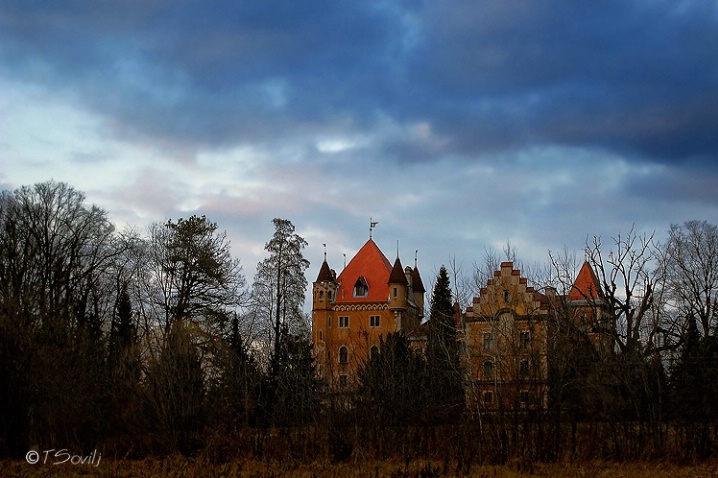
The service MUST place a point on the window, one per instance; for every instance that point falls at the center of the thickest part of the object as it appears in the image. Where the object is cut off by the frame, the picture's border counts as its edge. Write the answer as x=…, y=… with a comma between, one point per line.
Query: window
x=329, y=295
x=374, y=353
x=321, y=335
x=488, y=341
x=374, y=320
x=488, y=398
x=524, y=397
x=342, y=381
x=524, y=339
x=396, y=291
x=361, y=288
x=343, y=355
x=524, y=369
x=343, y=321
x=321, y=295
x=507, y=296
x=488, y=371
x=329, y=321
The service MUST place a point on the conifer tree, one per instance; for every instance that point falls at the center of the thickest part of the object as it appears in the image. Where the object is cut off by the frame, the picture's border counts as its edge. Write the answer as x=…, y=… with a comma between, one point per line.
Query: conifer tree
x=445, y=393
x=279, y=285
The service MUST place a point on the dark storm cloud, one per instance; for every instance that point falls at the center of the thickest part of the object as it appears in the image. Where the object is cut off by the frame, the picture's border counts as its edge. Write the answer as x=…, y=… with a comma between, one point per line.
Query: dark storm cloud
x=637, y=78
x=207, y=73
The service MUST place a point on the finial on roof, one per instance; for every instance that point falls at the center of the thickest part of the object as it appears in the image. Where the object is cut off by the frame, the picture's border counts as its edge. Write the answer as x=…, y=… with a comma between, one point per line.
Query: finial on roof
x=325, y=253
x=372, y=225
x=397, y=248
x=416, y=258
x=345, y=260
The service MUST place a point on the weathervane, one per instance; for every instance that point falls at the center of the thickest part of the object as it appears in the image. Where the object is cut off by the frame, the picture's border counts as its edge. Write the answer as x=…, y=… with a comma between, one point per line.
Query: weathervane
x=372, y=225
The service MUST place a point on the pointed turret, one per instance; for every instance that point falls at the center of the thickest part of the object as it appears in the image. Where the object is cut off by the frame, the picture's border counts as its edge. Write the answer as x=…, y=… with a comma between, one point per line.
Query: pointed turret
x=586, y=285
x=418, y=290
x=324, y=290
x=398, y=286
x=325, y=273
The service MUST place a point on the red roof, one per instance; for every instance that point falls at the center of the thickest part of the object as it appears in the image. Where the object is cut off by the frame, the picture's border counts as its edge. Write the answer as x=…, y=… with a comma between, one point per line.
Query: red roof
x=586, y=285
x=371, y=264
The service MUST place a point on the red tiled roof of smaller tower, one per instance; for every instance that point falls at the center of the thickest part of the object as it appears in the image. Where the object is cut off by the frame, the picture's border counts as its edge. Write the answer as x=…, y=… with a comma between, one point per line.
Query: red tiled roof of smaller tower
x=586, y=285
x=397, y=274
x=325, y=273
x=371, y=264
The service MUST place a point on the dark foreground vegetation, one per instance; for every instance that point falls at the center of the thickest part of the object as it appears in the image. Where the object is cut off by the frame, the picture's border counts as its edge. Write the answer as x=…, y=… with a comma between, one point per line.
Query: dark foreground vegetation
x=151, y=345
x=182, y=467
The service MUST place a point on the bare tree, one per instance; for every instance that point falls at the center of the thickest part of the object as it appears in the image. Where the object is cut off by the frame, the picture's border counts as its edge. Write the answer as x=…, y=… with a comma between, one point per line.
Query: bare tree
x=55, y=254
x=627, y=277
x=690, y=263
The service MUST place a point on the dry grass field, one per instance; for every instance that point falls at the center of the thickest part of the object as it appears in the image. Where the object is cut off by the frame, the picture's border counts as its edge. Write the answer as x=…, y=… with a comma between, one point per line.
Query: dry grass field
x=181, y=467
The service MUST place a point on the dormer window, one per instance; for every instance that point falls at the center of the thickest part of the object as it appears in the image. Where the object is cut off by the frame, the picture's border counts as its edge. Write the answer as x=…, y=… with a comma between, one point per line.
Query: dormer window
x=361, y=288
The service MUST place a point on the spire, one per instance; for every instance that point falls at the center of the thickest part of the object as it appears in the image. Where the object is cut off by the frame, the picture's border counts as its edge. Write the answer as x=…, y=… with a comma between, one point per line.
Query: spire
x=397, y=275
x=325, y=274
x=586, y=286
x=416, y=283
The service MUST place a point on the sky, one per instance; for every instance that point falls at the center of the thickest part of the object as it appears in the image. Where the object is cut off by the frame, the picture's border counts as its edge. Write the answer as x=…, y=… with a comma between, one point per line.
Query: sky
x=456, y=125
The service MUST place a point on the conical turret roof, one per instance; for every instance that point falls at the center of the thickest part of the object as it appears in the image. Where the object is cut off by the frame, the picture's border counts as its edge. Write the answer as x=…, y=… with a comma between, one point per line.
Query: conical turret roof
x=416, y=283
x=397, y=274
x=586, y=285
x=325, y=273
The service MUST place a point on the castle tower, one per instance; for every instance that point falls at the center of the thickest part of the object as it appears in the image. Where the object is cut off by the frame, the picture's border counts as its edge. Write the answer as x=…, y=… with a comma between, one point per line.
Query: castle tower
x=398, y=292
x=323, y=298
x=324, y=288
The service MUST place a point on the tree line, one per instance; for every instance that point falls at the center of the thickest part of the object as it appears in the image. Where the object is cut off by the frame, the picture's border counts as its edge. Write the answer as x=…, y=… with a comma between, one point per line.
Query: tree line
x=153, y=342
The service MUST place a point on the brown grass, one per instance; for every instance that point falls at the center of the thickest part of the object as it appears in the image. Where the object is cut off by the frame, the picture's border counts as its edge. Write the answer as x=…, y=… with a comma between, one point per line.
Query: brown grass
x=176, y=467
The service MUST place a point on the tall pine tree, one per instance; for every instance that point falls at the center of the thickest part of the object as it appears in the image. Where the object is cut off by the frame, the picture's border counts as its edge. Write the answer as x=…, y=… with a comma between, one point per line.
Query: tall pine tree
x=445, y=394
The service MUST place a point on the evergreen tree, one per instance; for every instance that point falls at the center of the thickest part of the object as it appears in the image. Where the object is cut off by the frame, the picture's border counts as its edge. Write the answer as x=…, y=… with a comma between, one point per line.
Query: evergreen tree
x=123, y=358
x=193, y=275
x=445, y=392
x=176, y=392
x=279, y=286
x=393, y=385
x=236, y=389
x=290, y=393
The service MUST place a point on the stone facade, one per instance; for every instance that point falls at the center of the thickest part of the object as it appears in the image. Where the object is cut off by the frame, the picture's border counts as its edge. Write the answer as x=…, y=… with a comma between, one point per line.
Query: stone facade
x=509, y=329
x=506, y=331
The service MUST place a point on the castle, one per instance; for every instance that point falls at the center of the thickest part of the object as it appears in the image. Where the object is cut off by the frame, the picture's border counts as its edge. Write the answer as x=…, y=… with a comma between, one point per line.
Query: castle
x=351, y=312
x=506, y=332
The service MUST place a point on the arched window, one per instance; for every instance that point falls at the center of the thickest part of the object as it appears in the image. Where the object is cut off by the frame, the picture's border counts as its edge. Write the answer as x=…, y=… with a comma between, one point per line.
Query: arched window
x=488, y=371
x=321, y=295
x=361, y=287
x=374, y=352
x=343, y=355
